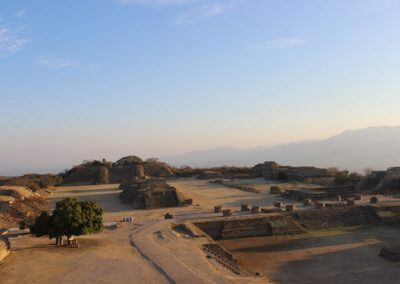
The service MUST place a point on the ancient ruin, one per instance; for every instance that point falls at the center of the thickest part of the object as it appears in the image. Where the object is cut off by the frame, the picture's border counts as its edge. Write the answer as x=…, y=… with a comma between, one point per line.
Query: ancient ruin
x=320, y=193
x=273, y=171
x=104, y=172
x=151, y=193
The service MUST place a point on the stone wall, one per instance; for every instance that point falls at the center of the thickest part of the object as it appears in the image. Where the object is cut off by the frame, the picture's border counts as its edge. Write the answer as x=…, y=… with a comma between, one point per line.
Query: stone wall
x=102, y=173
x=83, y=175
x=236, y=186
x=249, y=227
x=329, y=218
x=151, y=193
x=272, y=170
x=160, y=199
x=277, y=224
x=212, y=228
x=321, y=193
x=121, y=173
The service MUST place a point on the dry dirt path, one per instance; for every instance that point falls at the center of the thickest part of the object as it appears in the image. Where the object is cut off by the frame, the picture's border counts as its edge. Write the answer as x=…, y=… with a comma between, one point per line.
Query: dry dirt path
x=173, y=269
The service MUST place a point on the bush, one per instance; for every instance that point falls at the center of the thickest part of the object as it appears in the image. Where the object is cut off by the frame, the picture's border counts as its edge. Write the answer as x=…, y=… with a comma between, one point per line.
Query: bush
x=275, y=190
x=344, y=178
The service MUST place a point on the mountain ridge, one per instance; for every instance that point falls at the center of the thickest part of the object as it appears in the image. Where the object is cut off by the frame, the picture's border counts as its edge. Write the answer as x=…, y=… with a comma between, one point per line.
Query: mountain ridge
x=376, y=147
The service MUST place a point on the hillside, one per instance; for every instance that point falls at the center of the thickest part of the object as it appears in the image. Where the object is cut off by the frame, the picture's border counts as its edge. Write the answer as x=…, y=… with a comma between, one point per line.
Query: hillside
x=374, y=147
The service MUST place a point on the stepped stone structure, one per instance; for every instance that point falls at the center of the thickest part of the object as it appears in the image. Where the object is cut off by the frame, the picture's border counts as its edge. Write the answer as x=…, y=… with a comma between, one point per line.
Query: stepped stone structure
x=273, y=171
x=126, y=168
x=248, y=227
x=289, y=223
x=151, y=193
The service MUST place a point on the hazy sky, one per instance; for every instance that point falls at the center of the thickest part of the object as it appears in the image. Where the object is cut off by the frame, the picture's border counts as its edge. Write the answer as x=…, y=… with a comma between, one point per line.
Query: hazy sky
x=105, y=78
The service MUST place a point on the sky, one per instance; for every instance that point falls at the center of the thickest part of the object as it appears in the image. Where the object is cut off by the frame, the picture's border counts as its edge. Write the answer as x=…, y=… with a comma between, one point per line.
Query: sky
x=83, y=79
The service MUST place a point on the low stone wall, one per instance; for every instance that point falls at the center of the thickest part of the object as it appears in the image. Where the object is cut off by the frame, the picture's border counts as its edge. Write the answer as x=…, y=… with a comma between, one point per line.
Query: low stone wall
x=249, y=227
x=4, y=248
x=239, y=187
x=331, y=218
x=211, y=228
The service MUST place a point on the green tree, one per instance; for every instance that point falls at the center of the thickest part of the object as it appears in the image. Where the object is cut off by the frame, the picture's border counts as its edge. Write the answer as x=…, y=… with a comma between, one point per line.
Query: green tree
x=41, y=225
x=69, y=218
x=344, y=177
x=341, y=178
x=92, y=217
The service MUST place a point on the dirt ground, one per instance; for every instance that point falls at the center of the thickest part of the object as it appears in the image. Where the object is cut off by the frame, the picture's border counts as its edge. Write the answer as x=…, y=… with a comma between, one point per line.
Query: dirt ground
x=101, y=258
x=344, y=256
x=145, y=251
x=209, y=194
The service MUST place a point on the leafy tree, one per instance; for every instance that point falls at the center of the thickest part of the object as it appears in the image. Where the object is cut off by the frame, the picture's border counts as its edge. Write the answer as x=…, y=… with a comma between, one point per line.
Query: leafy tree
x=70, y=218
x=92, y=217
x=41, y=225
x=67, y=218
x=344, y=177
x=341, y=178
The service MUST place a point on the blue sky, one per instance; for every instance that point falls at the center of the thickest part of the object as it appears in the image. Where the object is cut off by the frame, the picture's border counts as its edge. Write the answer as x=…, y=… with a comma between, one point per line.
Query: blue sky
x=104, y=78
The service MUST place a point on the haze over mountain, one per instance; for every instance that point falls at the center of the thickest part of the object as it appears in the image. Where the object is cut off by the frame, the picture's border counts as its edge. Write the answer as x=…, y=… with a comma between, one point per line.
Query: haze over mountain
x=374, y=147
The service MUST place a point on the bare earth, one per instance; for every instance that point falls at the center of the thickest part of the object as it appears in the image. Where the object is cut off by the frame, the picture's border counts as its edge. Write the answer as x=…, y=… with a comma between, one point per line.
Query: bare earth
x=146, y=251
x=348, y=256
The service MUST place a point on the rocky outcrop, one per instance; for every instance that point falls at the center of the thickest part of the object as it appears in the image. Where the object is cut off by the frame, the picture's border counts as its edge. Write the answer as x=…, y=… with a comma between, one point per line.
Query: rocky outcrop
x=19, y=205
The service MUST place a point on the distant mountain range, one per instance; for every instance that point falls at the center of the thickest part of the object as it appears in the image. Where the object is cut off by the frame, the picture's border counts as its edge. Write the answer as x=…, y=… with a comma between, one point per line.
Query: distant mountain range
x=375, y=147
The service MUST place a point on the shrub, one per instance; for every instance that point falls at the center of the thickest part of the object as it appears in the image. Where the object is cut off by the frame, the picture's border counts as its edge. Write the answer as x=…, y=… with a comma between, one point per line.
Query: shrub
x=275, y=190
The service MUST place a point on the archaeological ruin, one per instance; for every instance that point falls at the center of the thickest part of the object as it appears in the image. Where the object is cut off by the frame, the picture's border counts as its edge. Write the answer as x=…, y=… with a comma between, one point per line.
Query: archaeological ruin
x=151, y=193
x=285, y=221
x=104, y=172
x=273, y=171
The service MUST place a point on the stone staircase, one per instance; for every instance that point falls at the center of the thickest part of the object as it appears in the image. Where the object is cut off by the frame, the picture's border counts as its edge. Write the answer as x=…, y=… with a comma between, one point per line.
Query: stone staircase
x=223, y=257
